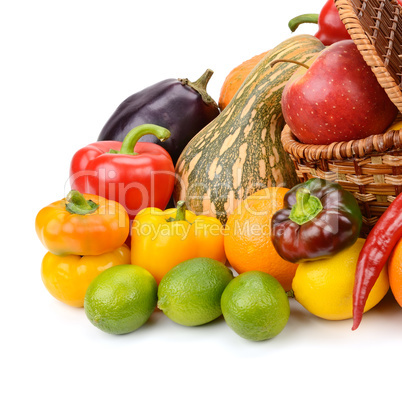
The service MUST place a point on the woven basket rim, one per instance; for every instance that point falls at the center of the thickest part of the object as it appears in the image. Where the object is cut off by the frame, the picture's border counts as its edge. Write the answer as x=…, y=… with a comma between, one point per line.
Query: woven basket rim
x=365, y=45
x=343, y=150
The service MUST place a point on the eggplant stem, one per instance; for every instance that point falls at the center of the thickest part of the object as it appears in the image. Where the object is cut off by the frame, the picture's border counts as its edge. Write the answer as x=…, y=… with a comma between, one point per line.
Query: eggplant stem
x=200, y=86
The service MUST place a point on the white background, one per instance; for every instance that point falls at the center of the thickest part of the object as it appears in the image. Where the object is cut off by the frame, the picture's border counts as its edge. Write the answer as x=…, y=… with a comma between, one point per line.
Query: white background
x=65, y=67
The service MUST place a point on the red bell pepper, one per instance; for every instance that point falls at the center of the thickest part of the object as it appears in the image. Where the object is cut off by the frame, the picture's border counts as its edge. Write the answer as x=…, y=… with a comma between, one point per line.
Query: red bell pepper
x=137, y=175
x=330, y=27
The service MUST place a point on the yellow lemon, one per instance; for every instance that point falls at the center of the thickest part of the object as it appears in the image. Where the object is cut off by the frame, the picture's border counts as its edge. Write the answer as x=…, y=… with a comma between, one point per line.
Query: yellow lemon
x=325, y=287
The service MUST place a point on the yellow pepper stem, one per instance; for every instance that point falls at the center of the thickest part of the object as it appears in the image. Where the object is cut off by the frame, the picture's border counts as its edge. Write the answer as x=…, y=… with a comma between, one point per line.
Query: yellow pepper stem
x=180, y=212
x=77, y=204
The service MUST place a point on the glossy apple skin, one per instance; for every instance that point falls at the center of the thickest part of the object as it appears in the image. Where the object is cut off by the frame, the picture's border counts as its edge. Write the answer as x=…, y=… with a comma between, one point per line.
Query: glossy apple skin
x=337, y=99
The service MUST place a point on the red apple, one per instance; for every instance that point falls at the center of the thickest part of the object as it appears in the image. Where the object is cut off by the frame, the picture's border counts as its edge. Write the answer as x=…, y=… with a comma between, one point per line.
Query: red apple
x=338, y=98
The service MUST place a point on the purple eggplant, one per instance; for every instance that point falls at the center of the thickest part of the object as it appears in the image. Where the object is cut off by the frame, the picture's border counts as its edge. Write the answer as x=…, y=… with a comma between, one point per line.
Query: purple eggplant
x=181, y=106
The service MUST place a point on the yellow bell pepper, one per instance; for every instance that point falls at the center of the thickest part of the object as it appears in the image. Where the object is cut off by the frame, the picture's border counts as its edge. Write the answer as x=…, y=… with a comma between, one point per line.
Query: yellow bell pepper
x=68, y=277
x=162, y=239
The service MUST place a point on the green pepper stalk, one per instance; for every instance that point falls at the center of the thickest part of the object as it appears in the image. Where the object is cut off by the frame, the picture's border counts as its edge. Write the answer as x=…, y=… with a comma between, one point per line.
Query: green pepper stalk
x=131, y=139
x=307, y=207
x=77, y=204
x=180, y=212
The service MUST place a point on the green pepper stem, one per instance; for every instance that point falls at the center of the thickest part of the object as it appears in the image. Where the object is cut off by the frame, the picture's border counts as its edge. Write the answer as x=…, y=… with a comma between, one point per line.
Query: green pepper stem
x=181, y=211
x=301, y=19
x=307, y=207
x=77, y=204
x=131, y=139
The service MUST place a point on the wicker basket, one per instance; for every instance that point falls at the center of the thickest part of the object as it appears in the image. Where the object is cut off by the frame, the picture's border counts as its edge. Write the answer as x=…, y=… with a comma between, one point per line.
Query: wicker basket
x=371, y=168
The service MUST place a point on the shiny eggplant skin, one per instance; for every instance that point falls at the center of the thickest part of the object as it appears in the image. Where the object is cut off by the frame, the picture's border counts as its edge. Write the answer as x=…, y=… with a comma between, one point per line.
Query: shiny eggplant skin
x=172, y=104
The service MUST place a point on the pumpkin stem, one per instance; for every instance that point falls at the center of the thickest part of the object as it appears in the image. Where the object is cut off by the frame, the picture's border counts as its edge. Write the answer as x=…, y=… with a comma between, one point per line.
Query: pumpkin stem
x=288, y=61
x=200, y=86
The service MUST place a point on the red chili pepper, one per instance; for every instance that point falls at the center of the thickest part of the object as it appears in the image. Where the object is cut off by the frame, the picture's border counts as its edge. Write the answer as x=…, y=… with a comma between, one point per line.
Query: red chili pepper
x=374, y=255
x=137, y=175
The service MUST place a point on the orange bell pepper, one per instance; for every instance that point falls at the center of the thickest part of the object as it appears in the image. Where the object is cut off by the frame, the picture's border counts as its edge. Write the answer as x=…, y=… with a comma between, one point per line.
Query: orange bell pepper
x=82, y=224
x=68, y=277
x=162, y=239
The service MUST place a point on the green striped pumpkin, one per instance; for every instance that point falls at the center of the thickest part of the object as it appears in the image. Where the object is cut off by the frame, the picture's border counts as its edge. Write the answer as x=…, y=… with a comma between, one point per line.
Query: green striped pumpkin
x=240, y=151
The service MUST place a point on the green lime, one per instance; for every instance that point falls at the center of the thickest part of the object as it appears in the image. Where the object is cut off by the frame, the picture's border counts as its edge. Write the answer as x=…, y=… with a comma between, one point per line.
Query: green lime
x=190, y=293
x=121, y=299
x=255, y=306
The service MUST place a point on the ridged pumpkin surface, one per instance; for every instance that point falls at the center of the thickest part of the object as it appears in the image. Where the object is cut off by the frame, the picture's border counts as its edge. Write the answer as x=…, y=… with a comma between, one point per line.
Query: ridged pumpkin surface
x=240, y=151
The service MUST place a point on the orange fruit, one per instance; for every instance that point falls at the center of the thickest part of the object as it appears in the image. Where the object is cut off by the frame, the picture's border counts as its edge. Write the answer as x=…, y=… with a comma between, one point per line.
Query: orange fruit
x=247, y=239
x=395, y=272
